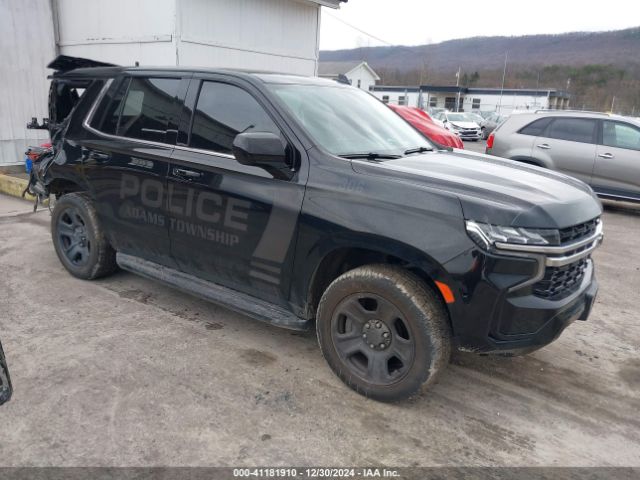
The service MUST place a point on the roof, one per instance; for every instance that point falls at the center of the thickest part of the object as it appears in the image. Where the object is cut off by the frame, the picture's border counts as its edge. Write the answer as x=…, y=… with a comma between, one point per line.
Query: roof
x=538, y=92
x=333, y=69
x=329, y=3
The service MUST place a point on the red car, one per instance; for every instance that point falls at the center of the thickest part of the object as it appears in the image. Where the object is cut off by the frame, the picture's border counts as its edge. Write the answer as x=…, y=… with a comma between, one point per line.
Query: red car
x=422, y=122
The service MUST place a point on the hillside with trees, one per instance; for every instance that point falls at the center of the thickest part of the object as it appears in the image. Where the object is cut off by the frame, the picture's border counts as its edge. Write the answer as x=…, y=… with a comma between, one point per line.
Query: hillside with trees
x=593, y=67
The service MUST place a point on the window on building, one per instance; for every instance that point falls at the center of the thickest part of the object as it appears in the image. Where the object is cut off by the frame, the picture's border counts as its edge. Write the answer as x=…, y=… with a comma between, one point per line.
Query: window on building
x=536, y=128
x=573, y=129
x=450, y=103
x=433, y=102
x=222, y=112
x=359, y=83
x=475, y=104
x=620, y=135
x=385, y=99
x=150, y=104
x=402, y=100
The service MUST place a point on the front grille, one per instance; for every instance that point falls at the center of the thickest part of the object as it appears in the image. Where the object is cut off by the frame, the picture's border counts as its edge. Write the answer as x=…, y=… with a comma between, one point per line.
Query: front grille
x=577, y=232
x=560, y=282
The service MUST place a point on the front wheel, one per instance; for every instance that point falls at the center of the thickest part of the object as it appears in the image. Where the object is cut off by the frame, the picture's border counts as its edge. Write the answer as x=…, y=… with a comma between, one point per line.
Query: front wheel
x=383, y=331
x=79, y=240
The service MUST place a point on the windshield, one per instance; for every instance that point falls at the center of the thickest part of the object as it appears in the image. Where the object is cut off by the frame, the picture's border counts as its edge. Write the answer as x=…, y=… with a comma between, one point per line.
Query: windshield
x=459, y=117
x=346, y=121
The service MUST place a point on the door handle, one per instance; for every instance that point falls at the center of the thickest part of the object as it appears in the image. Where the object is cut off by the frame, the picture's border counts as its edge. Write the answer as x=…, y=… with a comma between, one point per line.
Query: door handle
x=94, y=155
x=184, y=173
x=605, y=155
x=544, y=146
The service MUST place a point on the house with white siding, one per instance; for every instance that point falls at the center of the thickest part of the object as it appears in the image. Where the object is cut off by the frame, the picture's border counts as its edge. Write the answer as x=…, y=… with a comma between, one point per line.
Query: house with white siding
x=358, y=73
x=274, y=35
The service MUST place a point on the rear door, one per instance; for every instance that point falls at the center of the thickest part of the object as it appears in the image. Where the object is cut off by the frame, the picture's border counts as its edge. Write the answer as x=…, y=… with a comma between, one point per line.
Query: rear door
x=232, y=224
x=617, y=169
x=568, y=144
x=126, y=160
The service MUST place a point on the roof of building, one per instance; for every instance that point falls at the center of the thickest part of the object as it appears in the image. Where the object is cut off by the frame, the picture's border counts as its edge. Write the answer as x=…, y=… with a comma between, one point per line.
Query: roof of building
x=333, y=69
x=538, y=92
x=329, y=3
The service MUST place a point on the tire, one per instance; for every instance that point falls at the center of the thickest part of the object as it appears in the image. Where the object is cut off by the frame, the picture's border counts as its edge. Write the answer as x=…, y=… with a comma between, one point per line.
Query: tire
x=79, y=239
x=403, y=319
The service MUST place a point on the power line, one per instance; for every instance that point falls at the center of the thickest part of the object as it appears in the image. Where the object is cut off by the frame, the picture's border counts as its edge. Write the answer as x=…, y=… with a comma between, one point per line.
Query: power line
x=360, y=30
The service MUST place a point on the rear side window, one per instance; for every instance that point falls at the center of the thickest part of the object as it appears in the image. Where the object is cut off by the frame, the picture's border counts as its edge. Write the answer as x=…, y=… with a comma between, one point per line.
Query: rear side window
x=536, y=128
x=222, y=112
x=573, y=130
x=106, y=115
x=620, y=135
x=140, y=108
x=148, y=108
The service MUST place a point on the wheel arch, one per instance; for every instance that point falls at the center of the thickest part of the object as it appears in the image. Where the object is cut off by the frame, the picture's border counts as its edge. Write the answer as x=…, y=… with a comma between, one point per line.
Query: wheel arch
x=343, y=258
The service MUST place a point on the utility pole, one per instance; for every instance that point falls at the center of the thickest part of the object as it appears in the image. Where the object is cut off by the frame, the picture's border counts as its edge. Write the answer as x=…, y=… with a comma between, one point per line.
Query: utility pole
x=458, y=88
x=613, y=102
x=504, y=75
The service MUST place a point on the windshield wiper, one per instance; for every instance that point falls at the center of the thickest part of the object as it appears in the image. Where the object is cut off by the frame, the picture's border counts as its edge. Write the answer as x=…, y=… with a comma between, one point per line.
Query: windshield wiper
x=418, y=150
x=370, y=156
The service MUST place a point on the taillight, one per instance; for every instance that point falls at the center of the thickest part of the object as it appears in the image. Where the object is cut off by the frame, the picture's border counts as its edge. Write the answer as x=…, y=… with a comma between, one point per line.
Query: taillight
x=490, y=140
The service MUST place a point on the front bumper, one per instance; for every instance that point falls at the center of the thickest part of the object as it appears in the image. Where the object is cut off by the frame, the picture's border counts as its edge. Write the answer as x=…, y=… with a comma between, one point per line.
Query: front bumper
x=499, y=310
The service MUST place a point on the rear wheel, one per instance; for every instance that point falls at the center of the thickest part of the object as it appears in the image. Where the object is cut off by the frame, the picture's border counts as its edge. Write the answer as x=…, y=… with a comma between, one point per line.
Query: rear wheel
x=383, y=331
x=79, y=240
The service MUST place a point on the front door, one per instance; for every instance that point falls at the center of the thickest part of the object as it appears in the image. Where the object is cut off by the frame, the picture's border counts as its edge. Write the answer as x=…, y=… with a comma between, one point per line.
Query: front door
x=126, y=159
x=229, y=223
x=617, y=169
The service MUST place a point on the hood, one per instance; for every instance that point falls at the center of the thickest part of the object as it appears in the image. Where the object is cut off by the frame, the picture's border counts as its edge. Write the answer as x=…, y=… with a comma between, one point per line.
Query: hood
x=494, y=190
x=465, y=124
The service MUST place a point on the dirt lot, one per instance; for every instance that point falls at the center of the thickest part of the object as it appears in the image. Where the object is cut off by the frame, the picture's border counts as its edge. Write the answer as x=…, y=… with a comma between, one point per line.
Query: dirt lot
x=124, y=371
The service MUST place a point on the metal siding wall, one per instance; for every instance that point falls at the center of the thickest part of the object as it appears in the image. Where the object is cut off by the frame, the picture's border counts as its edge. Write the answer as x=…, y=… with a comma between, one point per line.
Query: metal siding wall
x=118, y=31
x=262, y=34
x=27, y=45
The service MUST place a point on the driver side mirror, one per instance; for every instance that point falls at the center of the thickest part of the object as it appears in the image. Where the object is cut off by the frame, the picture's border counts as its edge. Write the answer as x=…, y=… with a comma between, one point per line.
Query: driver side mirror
x=5, y=380
x=264, y=150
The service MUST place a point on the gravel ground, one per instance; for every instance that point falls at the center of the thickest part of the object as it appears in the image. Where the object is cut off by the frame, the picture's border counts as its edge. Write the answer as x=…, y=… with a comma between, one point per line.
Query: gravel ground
x=126, y=372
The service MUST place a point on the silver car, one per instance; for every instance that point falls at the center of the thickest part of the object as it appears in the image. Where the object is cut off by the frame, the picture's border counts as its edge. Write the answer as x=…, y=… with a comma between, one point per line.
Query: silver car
x=600, y=149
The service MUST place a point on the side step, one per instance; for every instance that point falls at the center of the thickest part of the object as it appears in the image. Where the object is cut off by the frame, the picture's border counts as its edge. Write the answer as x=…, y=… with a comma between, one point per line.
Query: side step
x=232, y=299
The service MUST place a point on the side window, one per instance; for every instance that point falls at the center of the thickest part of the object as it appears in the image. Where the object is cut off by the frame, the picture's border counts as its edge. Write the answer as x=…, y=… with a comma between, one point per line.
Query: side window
x=222, y=112
x=536, y=128
x=573, y=129
x=150, y=105
x=107, y=113
x=620, y=135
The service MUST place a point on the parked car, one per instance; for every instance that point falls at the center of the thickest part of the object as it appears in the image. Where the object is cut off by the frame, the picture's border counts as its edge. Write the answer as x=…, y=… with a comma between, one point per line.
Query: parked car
x=460, y=124
x=422, y=122
x=301, y=201
x=600, y=149
x=5, y=379
x=491, y=122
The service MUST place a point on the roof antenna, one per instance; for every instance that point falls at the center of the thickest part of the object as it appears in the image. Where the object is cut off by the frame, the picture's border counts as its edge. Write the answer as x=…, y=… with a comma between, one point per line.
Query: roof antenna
x=137, y=63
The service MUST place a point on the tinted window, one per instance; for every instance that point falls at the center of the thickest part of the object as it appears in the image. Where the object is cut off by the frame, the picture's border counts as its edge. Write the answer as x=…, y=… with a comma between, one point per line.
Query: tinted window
x=536, y=128
x=573, y=129
x=149, y=106
x=106, y=115
x=620, y=135
x=222, y=112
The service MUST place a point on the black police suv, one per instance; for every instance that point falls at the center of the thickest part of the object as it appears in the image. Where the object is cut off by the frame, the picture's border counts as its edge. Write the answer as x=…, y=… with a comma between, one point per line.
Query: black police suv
x=295, y=199
x=5, y=380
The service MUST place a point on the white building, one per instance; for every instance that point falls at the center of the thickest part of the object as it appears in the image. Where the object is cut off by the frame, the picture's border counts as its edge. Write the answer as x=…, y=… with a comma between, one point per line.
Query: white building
x=359, y=73
x=473, y=99
x=275, y=35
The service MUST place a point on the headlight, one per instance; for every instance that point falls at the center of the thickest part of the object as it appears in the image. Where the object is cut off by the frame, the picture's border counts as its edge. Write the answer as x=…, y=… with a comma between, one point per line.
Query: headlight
x=487, y=235
x=456, y=127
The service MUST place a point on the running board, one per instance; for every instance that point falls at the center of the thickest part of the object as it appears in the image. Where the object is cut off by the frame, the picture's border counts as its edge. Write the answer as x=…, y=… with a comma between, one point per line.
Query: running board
x=232, y=299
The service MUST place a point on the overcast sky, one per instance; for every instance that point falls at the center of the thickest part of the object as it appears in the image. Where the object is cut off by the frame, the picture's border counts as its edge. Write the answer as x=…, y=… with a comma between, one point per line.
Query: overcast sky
x=417, y=22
